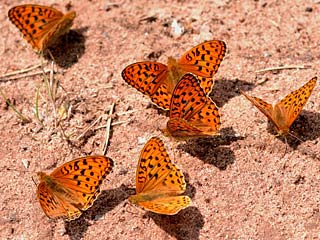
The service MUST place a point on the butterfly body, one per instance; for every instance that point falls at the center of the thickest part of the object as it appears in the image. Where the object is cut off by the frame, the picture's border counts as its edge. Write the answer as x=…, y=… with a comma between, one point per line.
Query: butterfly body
x=41, y=26
x=72, y=187
x=192, y=113
x=159, y=182
x=158, y=81
x=285, y=112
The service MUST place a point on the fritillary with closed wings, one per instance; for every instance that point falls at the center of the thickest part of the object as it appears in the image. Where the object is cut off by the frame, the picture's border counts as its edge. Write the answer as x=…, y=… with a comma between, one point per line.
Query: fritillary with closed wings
x=159, y=183
x=285, y=112
x=192, y=113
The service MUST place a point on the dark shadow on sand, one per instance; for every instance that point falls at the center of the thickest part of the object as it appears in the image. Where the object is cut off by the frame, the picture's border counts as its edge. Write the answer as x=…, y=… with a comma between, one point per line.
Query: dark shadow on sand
x=224, y=89
x=185, y=225
x=213, y=150
x=68, y=49
x=106, y=201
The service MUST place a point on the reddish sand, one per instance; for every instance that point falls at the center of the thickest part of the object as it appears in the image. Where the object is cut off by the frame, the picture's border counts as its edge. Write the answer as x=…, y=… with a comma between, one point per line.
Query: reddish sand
x=245, y=184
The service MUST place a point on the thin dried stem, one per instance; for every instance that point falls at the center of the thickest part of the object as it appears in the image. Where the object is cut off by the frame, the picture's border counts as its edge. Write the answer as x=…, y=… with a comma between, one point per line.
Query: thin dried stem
x=107, y=134
x=20, y=71
x=283, y=68
x=88, y=128
x=20, y=115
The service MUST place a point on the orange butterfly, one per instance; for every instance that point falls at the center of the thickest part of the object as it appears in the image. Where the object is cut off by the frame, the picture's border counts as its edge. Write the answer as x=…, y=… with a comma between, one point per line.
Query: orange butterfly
x=192, y=113
x=41, y=26
x=159, y=182
x=72, y=187
x=157, y=80
x=283, y=114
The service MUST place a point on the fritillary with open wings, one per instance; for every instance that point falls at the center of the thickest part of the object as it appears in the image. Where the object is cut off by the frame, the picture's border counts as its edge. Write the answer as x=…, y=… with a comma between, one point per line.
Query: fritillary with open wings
x=41, y=26
x=72, y=187
x=157, y=81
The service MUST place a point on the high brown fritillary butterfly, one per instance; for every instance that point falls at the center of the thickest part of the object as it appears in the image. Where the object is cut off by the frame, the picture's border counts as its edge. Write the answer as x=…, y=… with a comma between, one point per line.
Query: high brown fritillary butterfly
x=283, y=114
x=72, y=187
x=159, y=183
x=41, y=26
x=192, y=113
x=157, y=80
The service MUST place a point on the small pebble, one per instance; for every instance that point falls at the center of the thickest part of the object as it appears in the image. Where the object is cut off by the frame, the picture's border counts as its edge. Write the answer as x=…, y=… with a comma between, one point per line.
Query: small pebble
x=25, y=163
x=309, y=9
x=141, y=141
x=176, y=29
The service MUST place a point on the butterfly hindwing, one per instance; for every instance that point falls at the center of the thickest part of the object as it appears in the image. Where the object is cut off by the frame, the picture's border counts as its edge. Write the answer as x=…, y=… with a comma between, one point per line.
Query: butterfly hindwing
x=167, y=205
x=294, y=102
x=53, y=206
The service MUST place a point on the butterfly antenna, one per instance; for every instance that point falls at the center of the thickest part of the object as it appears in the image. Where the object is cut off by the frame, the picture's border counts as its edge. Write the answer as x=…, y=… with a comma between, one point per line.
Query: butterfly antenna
x=285, y=152
x=34, y=181
x=51, y=56
x=292, y=135
x=129, y=207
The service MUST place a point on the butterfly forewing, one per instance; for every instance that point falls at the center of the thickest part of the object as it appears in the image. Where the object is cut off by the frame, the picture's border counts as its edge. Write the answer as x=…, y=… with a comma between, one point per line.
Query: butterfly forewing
x=152, y=166
x=294, y=102
x=188, y=98
x=151, y=79
x=204, y=60
x=264, y=107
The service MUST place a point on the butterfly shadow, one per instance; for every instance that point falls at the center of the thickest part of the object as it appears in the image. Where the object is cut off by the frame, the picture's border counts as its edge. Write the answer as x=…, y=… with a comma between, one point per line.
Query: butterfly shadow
x=213, y=150
x=185, y=225
x=306, y=127
x=68, y=49
x=224, y=90
x=107, y=200
x=191, y=190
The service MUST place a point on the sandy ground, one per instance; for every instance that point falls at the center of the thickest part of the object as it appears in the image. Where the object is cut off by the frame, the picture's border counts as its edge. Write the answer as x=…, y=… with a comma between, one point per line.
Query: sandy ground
x=243, y=184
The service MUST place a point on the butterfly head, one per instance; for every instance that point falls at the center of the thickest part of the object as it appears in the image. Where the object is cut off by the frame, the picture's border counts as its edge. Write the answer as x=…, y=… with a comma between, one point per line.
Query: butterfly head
x=41, y=175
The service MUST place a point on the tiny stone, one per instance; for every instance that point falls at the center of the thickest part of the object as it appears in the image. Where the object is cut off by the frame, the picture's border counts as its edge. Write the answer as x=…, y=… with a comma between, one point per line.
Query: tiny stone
x=25, y=163
x=266, y=54
x=309, y=9
x=176, y=29
x=62, y=231
x=98, y=217
x=141, y=140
